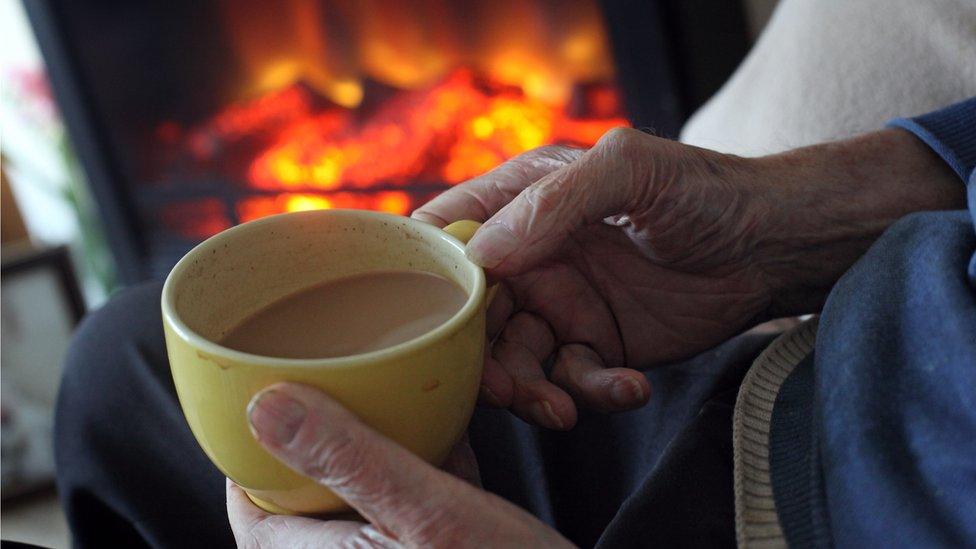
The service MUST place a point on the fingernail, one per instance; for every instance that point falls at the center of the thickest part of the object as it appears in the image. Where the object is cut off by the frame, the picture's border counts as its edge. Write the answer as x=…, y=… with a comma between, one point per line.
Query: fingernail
x=491, y=245
x=275, y=416
x=543, y=414
x=626, y=392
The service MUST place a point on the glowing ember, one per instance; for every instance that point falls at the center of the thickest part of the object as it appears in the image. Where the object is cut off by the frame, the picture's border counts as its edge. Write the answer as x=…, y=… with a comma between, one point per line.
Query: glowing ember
x=455, y=130
x=381, y=121
x=260, y=206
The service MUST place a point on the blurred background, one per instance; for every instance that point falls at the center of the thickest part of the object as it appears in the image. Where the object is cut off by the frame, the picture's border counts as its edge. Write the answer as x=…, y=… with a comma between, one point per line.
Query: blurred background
x=131, y=131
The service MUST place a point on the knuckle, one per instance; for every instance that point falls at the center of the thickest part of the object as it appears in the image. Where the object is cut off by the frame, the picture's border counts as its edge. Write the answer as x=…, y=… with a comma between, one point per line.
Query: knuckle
x=620, y=138
x=259, y=536
x=543, y=197
x=626, y=147
x=548, y=153
x=366, y=538
x=550, y=150
x=340, y=460
x=638, y=162
x=545, y=159
x=439, y=530
x=270, y=532
x=531, y=332
x=481, y=196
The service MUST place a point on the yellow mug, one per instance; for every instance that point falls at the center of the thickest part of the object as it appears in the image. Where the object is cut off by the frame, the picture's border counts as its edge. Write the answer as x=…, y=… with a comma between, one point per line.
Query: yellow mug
x=420, y=393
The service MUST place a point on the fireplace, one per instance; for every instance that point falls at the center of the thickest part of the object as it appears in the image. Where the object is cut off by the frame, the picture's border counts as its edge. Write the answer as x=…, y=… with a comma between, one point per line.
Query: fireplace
x=193, y=116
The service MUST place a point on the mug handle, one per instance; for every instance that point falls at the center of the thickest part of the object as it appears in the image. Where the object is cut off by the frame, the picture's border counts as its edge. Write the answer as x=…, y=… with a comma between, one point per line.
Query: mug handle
x=463, y=230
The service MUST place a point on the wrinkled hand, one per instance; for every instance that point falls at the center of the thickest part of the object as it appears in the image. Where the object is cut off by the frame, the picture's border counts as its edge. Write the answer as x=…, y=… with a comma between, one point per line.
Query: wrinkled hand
x=643, y=250
x=407, y=502
x=629, y=254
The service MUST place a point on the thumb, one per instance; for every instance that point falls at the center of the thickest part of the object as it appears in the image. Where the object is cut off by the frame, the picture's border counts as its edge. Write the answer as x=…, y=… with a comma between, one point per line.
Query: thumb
x=601, y=183
x=389, y=486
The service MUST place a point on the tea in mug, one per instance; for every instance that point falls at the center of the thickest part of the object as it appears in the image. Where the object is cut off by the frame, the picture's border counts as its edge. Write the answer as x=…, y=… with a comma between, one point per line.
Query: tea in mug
x=348, y=316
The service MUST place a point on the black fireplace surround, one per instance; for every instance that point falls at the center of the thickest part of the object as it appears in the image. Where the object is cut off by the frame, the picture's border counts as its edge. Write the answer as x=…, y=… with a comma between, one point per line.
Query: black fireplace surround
x=117, y=67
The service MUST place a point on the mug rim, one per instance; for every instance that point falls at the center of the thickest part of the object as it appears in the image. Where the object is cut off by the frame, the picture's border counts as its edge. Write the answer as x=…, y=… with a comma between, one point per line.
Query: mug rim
x=450, y=326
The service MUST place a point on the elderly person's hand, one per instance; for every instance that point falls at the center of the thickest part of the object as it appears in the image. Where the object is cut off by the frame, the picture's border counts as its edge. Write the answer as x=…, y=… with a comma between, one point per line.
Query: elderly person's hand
x=643, y=250
x=407, y=502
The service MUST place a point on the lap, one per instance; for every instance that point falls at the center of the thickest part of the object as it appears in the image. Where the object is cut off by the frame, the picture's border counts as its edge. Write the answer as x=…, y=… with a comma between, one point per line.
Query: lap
x=130, y=471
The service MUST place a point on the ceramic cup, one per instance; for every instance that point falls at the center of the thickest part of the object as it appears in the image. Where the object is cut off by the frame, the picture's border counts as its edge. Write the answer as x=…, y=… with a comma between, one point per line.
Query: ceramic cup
x=420, y=393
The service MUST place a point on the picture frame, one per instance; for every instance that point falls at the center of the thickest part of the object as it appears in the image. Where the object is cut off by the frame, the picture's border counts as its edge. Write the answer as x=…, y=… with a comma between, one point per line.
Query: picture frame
x=41, y=307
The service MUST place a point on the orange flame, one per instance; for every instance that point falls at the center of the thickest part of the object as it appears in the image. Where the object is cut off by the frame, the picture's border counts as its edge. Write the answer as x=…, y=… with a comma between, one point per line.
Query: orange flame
x=541, y=47
x=260, y=206
x=374, y=102
x=455, y=130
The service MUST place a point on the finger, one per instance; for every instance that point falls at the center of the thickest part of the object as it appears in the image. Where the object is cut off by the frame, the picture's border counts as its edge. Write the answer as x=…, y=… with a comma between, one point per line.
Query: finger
x=253, y=527
x=497, y=386
x=499, y=310
x=573, y=307
x=461, y=462
x=389, y=486
x=241, y=512
x=605, y=179
x=581, y=373
x=525, y=343
x=481, y=197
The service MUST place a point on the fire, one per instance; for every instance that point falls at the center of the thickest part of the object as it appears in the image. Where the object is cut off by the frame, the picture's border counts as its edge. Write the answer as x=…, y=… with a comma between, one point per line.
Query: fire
x=450, y=132
x=336, y=47
x=260, y=206
x=406, y=101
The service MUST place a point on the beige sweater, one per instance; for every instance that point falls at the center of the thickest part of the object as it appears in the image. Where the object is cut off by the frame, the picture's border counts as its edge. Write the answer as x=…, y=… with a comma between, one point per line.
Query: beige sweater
x=828, y=69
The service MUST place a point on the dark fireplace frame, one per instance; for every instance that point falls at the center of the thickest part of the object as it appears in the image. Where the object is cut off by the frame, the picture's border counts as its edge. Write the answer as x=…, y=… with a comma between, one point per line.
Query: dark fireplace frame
x=671, y=55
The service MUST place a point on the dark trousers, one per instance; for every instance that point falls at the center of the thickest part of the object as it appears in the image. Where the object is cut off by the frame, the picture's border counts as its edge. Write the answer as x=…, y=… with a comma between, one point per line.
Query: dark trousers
x=131, y=474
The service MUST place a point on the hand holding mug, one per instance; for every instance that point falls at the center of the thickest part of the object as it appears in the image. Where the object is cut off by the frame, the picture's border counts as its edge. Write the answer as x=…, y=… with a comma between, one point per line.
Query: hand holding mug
x=419, y=393
x=406, y=501
x=642, y=250
x=609, y=260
